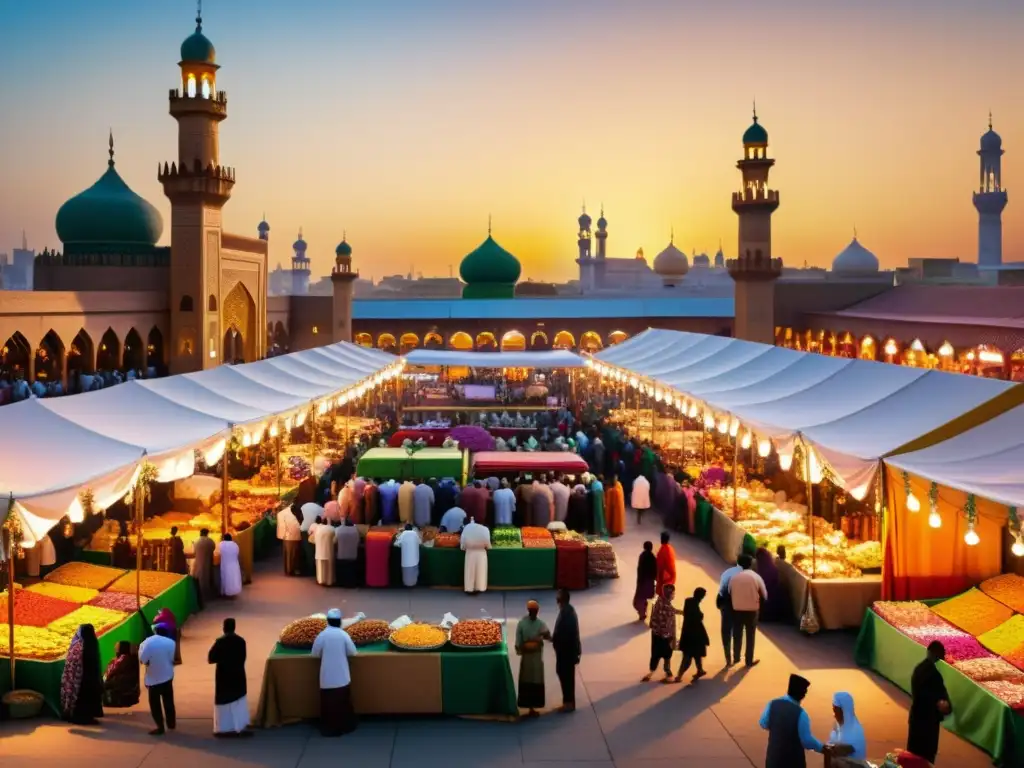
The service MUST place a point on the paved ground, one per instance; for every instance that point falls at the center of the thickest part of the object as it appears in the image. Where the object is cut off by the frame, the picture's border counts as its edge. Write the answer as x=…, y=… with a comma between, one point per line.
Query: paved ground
x=620, y=722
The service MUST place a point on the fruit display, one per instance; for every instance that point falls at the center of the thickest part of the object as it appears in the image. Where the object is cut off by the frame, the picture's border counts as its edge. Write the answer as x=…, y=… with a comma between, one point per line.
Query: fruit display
x=85, y=575
x=867, y=555
x=548, y=543
x=602, y=562
x=419, y=637
x=1007, y=588
x=568, y=535
x=369, y=631
x=117, y=601
x=151, y=583
x=77, y=595
x=447, y=540
x=101, y=619
x=301, y=633
x=32, y=609
x=33, y=643
x=506, y=537
x=535, y=532
x=973, y=611
x=476, y=633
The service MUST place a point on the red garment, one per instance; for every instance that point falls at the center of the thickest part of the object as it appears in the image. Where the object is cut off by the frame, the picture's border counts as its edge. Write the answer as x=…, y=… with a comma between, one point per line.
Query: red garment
x=666, y=567
x=474, y=503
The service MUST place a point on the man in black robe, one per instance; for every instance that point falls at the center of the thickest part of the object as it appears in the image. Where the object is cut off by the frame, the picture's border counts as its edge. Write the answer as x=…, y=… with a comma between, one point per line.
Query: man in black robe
x=568, y=649
x=929, y=705
x=231, y=706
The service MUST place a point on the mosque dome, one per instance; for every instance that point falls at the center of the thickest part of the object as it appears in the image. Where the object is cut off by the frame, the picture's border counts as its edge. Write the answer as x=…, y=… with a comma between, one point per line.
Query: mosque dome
x=299, y=246
x=584, y=220
x=489, y=271
x=855, y=259
x=755, y=134
x=671, y=265
x=108, y=214
x=991, y=140
x=343, y=249
x=263, y=226
x=602, y=222
x=197, y=48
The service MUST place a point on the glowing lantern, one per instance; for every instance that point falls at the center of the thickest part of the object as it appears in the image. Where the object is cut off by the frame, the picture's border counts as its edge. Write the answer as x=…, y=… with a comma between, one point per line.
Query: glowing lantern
x=764, y=447
x=971, y=538
x=746, y=442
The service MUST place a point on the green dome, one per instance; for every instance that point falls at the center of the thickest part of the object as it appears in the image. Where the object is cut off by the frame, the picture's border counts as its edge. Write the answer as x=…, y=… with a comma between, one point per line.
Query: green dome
x=108, y=213
x=198, y=49
x=490, y=263
x=343, y=249
x=755, y=134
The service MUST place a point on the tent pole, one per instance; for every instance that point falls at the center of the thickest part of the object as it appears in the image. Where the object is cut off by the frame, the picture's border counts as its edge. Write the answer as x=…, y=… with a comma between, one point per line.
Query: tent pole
x=225, y=516
x=682, y=440
x=9, y=545
x=348, y=421
x=312, y=433
x=139, y=516
x=277, y=462
x=735, y=474
x=810, y=509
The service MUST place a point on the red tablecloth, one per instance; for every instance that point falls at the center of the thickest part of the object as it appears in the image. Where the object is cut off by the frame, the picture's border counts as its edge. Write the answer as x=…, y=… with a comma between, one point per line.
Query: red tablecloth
x=378, y=555
x=571, y=565
x=487, y=462
x=435, y=436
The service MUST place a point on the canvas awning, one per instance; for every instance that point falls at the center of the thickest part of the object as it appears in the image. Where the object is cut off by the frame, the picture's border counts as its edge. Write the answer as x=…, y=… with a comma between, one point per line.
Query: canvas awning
x=853, y=412
x=558, y=358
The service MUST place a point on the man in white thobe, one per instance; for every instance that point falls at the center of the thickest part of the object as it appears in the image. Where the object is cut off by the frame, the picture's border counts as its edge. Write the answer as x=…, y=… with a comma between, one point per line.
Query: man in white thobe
x=322, y=537
x=560, y=492
x=408, y=541
x=476, y=540
x=334, y=647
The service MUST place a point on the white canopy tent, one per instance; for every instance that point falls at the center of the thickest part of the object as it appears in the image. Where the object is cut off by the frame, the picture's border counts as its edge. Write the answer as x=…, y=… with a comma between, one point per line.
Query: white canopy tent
x=553, y=359
x=853, y=412
x=986, y=460
x=98, y=439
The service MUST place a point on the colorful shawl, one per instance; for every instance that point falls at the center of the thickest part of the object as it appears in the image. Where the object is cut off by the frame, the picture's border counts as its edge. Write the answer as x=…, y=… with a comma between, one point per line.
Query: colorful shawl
x=71, y=680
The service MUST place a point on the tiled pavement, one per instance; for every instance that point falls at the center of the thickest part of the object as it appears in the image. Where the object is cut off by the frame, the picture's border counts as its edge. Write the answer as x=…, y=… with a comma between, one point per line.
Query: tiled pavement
x=620, y=723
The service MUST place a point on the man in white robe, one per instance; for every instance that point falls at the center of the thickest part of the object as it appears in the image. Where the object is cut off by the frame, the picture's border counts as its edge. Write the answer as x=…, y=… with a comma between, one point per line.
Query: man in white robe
x=408, y=542
x=476, y=540
x=322, y=537
x=230, y=567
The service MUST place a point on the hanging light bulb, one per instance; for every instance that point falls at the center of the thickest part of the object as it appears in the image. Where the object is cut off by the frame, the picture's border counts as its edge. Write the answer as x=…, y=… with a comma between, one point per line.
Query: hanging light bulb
x=971, y=538
x=723, y=424
x=76, y=513
x=300, y=419
x=1018, y=547
x=69, y=529
x=288, y=424
x=634, y=382
x=912, y=503
x=709, y=420
x=246, y=440
x=764, y=447
x=935, y=519
x=734, y=427
x=214, y=452
x=273, y=429
x=746, y=442
x=785, y=461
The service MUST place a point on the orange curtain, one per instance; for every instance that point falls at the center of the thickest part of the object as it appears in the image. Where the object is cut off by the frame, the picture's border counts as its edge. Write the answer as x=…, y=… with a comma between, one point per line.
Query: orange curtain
x=923, y=562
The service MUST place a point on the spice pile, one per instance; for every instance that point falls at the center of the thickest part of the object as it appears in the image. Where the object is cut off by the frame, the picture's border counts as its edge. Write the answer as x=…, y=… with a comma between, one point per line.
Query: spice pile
x=32, y=609
x=1007, y=588
x=301, y=633
x=476, y=633
x=117, y=601
x=101, y=619
x=974, y=612
x=447, y=540
x=63, y=592
x=601, y=560
x=419, y=637
x=151, y=583
x=85, y=575
x=368, y=632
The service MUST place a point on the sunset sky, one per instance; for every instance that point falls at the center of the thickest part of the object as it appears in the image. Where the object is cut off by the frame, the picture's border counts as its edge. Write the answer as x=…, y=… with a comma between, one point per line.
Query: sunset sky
x=407, y=122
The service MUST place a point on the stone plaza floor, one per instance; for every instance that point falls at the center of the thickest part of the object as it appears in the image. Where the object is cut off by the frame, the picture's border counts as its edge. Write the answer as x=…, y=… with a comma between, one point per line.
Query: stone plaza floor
x=620, y=722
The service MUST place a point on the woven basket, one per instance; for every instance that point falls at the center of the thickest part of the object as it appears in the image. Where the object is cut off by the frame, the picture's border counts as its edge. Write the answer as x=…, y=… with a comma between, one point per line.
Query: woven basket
x=23, y=704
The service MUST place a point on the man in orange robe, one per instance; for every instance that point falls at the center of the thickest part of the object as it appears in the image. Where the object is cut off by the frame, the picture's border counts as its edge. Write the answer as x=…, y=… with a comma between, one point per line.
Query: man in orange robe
x=666, y=564
x=615, y=508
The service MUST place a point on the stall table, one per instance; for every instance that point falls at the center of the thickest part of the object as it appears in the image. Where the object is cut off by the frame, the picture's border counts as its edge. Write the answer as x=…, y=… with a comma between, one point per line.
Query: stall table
x=840, y=603
x=385, y=680
x=511, y=568
x=571, y=565
x=397, y=464
x=504, y=462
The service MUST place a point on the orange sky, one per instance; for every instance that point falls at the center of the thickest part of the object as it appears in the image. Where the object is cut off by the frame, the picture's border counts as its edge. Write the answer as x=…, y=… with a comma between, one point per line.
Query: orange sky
x=407, y=126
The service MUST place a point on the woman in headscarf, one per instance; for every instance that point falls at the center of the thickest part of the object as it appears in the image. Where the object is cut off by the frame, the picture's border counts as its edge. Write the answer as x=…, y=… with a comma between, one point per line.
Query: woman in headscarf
x=776, y=608
x=693, y=640
x=848, y=731
x=599, y=525
x=531, y=633
x=81, y=686
x=663, y=633
x=646, y=573
x=121, y=681
x=166, y=618
x=615, y=507
x=578, y=515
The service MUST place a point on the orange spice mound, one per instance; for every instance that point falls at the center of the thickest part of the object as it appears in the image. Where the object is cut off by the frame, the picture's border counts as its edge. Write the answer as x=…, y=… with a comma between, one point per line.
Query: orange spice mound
x=974, y=612
x=1007, y=588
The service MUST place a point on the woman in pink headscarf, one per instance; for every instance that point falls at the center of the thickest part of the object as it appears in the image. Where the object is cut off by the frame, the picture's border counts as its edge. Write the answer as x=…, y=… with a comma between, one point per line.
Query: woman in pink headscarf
x=332, y=511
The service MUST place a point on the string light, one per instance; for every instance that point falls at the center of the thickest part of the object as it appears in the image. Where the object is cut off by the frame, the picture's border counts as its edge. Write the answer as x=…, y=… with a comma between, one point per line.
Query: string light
x=1018, y=546
x=709, y=420
x=814, y=467
x=785, y=460
x=657, y=395
x=723, y=425
x=913, y=504
x=971, y=538
x=764, y=447
x=935, y=519
x=734, y=427
x=693, y=410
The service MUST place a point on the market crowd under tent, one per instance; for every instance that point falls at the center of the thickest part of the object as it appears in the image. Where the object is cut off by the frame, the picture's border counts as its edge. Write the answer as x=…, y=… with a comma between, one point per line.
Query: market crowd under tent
x=852, y=412
x=455, y=358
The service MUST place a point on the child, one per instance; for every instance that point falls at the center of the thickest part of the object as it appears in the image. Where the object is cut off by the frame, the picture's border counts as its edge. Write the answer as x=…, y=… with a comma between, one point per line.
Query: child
x=646, y=572
x=663, y=633
x=693, y=640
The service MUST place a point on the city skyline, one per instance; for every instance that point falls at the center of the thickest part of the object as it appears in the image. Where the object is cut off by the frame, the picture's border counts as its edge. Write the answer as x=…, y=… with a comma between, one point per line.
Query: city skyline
x=408, y=127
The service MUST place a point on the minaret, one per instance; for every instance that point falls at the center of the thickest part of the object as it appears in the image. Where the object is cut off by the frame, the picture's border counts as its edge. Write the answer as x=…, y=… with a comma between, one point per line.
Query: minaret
x=198, y=186
x=990, y=199
x=754, y=271
x=300, y=267
x=600, y=267
x=583, y=244
x=264, y=229
x=343, y=279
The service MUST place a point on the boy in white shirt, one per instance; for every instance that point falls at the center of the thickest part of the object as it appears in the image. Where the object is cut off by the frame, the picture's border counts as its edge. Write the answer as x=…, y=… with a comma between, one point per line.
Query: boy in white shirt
x=157, y=654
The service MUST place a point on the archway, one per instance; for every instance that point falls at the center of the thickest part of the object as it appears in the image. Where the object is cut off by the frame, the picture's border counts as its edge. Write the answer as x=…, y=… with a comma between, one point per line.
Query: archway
x=868, y=349
x=14, y=357
x=617, y=337
x=590, y=342
x=486, y=342
x=134, y=357
x=513, y=341
x=81, y=356
x=563, y=340
x=239, y=319
x=433, y=340
x=461, y=341
x=154, y=349
x=50, y=358
x=408, y=342
x=109, y=356
x=539, y=340
x=891, y=351
x=387, y=343
x=364, y=340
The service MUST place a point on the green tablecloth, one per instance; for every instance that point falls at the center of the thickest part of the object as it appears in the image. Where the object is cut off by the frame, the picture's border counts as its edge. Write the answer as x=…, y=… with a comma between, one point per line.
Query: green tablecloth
x=44, y=676
x=978, y=716
x=94, y=556
x=397, y=464
x=264, y=535
x=506, y=568
x=702, y=519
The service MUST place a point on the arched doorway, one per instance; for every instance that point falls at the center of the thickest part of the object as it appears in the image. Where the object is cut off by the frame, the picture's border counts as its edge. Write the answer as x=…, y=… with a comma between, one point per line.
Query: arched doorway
x=239, y=321
x=387, y=342
x=109, y=356
x=433, y=340
x=14, y=357
x=50, y=358
x=513, y=341
x=408, y=342
x=154, y=350
x=591, y=342
x=617, y=337
x=134, y=354
x=81, y=356
x=461, y=341
x=485, y=342
x=539, y=340
x=364, y=340
x=563, y=340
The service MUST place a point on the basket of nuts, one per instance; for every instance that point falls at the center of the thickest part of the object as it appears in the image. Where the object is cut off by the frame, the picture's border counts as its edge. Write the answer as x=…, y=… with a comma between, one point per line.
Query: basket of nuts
x=301, y=633
x=368, y=632
x=419, y=637
x=476, y=634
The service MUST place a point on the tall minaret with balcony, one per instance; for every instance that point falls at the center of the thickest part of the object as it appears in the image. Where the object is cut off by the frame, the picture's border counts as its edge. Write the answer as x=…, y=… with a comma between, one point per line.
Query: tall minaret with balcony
x=990, y=199
x=584, y=260
x=343, y=280
x=198, y=186
x=300, y=267
x=601, y=266
x=754, y=271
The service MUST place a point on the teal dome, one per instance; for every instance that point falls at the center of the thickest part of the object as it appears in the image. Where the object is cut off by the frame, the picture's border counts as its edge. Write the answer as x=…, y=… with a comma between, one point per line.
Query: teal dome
x=197, y=47
x=755, y=134
x=108, y=213
x=343, y=249
x=490, y=264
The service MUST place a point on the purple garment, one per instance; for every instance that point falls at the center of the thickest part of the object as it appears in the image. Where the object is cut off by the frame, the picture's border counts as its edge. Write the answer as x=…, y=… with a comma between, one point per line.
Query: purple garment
x=776, y=606
x=713, y=476
x=388, y=493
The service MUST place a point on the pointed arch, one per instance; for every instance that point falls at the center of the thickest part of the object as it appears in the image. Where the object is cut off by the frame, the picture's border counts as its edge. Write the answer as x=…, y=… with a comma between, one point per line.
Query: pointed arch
x=154, y=349
x=49, y=362
x=387, y=342
x=108, y=357
x=485, y=341
x=81, y=355
x=364, y=340
x=590, y=341
x=14, y=356
x=433, y=340
x=461, y=341
x=539, y=340
x=408, y=342
x=563, y=340
x=513, y=341
x=239, y=316
x=134, y=356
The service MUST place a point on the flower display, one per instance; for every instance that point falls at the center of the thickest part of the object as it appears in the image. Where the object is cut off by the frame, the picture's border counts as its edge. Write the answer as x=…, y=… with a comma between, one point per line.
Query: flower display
x=984, y=670
x=904, y=615
x=1012, y=694
x=33, y=643
x=866, y=555
x=101, y=619
x=974, y=612
x=32, y=609
x=85, y=575
x=116, y=601
x=77, y=595
x=958, y=648
x=1006, y=637
x=1007, y=588
x=472, y=438
x=151, y=583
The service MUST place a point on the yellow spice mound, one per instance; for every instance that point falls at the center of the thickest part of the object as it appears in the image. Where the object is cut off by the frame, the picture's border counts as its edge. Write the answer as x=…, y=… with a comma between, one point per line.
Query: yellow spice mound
x=974, y=612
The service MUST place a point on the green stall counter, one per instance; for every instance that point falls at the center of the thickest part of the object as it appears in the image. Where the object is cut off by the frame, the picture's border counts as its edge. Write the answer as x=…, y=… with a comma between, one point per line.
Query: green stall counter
x=397, y=464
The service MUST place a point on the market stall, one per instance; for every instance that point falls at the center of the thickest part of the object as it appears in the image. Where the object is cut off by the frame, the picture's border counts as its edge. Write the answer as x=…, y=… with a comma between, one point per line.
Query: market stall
x=386, y=679
x=487, y=463
x=400, y=464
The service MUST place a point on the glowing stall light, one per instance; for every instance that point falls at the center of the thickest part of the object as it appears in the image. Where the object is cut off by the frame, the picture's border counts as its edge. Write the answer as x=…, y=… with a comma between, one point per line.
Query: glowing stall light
x=917, y=345
x=913, y=504
x=246, y=440
x=734, y=427
x=1018, y=547
x=213, y=454
x=860, y=492
x=257, y=436
x=814, y=468
x=321, y=409
x=747, y=441
x=723, y=424
x=634, y=382
x=76, y=513
x=764, y=447
x=986, y=356
x=935, y=519
x=709, y=420
x=649, y=390
x=273, y=430
x=288, y=424
x=946, y=350
x=971, y=538
x=300, y=419
x=588, y=362
x=890, y=348
x=657, y=395
x=785, y=460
